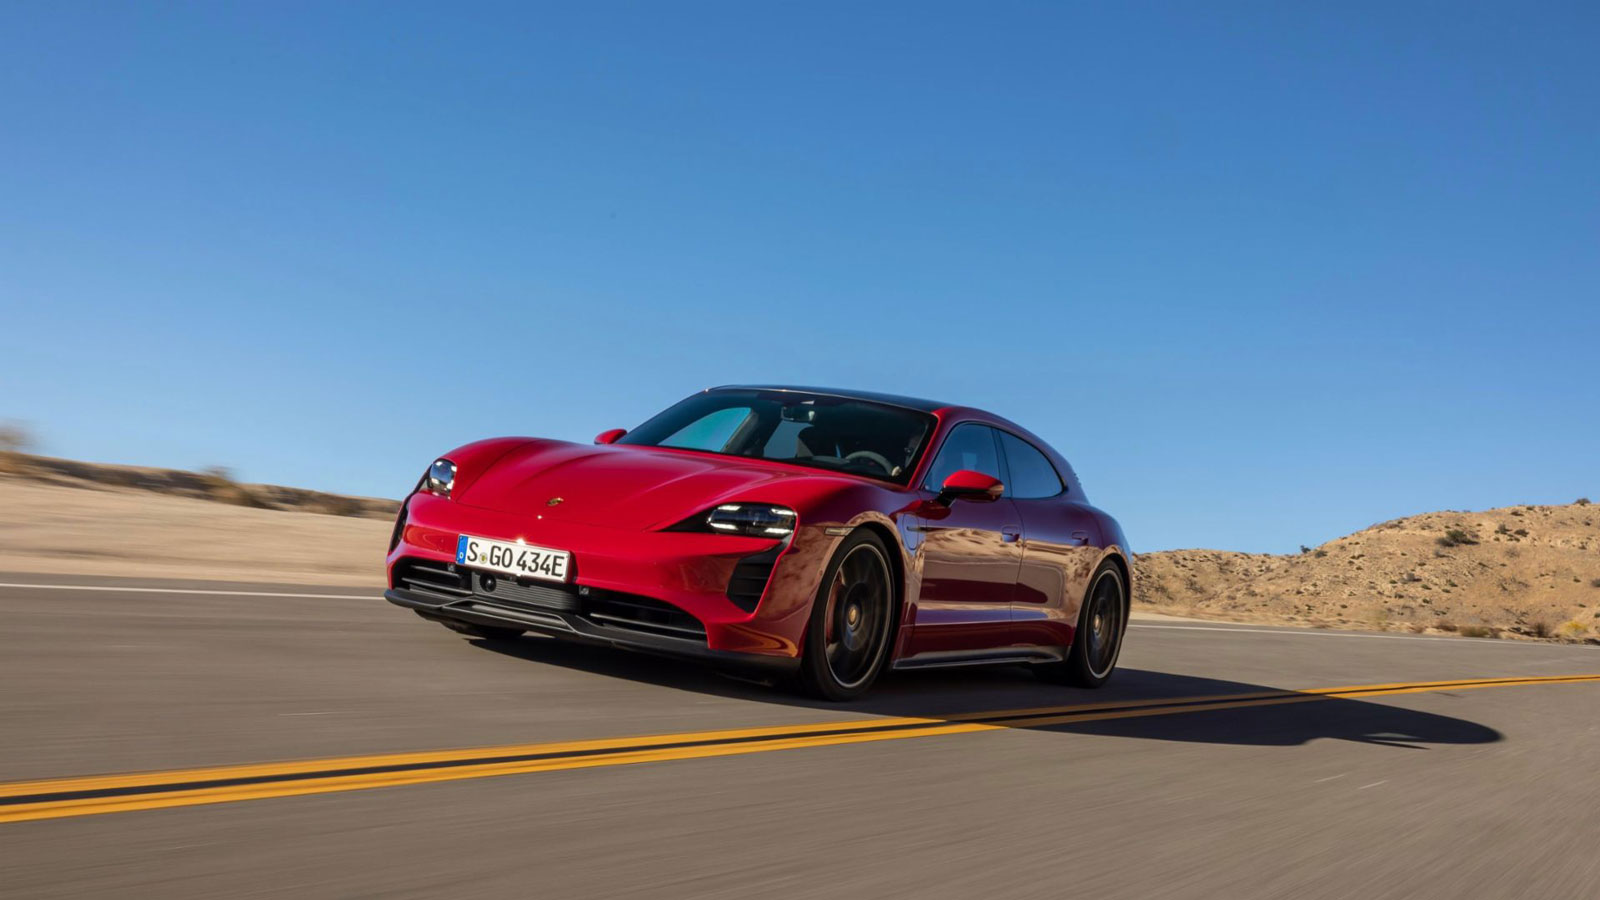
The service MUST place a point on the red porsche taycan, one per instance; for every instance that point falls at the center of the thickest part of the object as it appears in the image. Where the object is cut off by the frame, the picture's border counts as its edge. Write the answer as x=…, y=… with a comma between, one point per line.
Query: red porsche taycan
x=816, y=534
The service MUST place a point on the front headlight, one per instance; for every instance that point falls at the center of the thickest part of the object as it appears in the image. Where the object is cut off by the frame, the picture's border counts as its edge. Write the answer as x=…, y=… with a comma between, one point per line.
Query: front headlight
x=441, y=477
x=753, y=519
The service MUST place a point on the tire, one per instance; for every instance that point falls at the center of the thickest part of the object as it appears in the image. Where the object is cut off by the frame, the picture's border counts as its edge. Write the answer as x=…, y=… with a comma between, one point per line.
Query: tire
x=853, y=619
x=1097, y=641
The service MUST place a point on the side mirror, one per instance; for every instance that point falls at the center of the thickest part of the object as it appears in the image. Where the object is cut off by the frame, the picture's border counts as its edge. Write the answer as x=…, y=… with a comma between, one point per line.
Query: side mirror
x=610, y=437
x=965, y=484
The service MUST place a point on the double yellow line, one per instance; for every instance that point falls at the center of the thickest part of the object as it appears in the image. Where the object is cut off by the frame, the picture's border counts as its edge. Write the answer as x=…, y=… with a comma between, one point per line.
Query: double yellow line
x=23, y=801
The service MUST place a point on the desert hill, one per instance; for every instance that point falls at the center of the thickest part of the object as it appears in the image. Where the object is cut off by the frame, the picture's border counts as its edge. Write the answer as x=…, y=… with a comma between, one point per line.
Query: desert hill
x=1521, y=570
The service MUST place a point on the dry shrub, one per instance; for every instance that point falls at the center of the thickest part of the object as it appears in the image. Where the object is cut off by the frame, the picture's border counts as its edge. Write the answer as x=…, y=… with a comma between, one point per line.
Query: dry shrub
x=220, y=486
x=15, y=440
x=1477, y=631
x=1455, y=536
x=335, y=505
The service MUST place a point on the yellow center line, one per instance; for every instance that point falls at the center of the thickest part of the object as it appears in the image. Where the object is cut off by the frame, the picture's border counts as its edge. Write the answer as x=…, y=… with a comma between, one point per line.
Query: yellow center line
x=99, y=794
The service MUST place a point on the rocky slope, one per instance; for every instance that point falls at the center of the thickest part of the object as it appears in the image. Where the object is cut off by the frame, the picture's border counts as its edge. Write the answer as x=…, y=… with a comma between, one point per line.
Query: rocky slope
x=1530, y=571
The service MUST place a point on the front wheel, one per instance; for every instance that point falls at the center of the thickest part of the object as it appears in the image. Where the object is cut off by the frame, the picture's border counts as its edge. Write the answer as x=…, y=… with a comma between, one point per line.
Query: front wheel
x=1098, y=640
x=852, y=621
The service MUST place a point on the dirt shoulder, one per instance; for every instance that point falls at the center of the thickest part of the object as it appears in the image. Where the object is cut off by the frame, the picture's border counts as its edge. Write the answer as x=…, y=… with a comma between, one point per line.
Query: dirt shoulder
x=97, y=530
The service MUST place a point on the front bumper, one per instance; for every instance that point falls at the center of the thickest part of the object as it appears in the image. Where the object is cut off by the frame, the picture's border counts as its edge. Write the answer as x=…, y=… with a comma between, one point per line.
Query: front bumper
x=687, y=573
x=580, y=628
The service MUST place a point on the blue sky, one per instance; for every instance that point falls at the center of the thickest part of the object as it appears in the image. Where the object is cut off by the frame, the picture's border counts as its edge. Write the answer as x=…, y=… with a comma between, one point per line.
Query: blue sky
x=1266, y=273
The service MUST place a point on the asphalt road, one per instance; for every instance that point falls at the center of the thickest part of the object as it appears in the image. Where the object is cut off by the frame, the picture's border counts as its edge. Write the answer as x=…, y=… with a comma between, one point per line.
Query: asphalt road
x=1466, y=791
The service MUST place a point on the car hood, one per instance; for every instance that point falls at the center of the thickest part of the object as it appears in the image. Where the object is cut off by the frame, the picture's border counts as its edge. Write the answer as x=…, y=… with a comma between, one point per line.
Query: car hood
x=617, y=486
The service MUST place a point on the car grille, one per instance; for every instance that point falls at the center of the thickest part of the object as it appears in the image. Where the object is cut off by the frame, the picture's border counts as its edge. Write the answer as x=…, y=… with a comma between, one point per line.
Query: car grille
x=446, y=581
x=546, y=596
x=493, y=594
x=749, y=579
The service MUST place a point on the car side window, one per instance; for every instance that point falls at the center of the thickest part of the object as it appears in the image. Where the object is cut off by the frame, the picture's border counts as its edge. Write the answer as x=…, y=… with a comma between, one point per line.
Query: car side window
x=967, y=447
x=1032, y=475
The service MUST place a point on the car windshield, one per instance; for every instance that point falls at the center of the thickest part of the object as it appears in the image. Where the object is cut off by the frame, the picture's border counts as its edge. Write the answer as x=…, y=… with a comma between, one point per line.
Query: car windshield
x=839, y=433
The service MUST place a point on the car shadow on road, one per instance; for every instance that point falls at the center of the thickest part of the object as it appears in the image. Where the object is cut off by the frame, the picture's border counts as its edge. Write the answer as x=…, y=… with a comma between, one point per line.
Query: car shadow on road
x=978, y=694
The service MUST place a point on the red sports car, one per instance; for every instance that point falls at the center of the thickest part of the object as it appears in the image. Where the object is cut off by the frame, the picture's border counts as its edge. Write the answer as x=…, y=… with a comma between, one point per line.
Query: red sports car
x=820, y=535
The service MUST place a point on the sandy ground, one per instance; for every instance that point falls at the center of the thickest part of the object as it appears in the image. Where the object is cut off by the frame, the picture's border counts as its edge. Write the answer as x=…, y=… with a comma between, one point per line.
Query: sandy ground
x=69, y=530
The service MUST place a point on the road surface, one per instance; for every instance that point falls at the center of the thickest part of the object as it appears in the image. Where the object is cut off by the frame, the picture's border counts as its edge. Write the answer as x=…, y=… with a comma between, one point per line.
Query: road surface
x=151, y=733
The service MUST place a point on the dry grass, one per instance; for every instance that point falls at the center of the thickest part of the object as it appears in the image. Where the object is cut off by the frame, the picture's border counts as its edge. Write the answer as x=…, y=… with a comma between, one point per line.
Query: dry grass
x=15, y=441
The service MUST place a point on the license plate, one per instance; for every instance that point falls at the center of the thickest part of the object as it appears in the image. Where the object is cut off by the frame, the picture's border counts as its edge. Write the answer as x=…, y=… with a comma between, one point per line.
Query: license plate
x=513, y=558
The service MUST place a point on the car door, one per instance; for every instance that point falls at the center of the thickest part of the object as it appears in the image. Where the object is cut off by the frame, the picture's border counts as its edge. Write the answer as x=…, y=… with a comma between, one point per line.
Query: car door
x=1060, y=546
x=969, y=553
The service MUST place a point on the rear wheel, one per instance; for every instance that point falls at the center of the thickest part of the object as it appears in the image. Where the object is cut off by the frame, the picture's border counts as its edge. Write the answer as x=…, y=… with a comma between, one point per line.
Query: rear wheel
x=852, y=621
x=1102, y=621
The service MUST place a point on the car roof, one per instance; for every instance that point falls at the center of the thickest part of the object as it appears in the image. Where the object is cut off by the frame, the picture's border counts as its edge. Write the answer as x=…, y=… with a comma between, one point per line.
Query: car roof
x=915, y=403
x=949, y=412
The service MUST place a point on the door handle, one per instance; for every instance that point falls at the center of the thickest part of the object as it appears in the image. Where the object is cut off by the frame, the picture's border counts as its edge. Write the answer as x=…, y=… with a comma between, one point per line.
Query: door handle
x=1010, y=537
x=1081, y=538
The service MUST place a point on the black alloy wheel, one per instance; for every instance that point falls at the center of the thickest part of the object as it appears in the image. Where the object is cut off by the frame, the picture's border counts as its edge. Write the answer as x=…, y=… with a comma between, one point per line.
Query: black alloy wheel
x=852, y=621
x=1102, y=622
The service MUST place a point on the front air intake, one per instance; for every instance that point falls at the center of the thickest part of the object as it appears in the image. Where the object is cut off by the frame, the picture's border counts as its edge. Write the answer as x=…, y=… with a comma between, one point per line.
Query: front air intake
x=749, y=580
x=432, y=578
x=643, y=614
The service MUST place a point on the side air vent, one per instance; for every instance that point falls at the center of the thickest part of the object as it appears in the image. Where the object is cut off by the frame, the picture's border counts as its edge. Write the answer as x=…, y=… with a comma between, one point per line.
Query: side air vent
x=750, y=577
x=399, y=525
